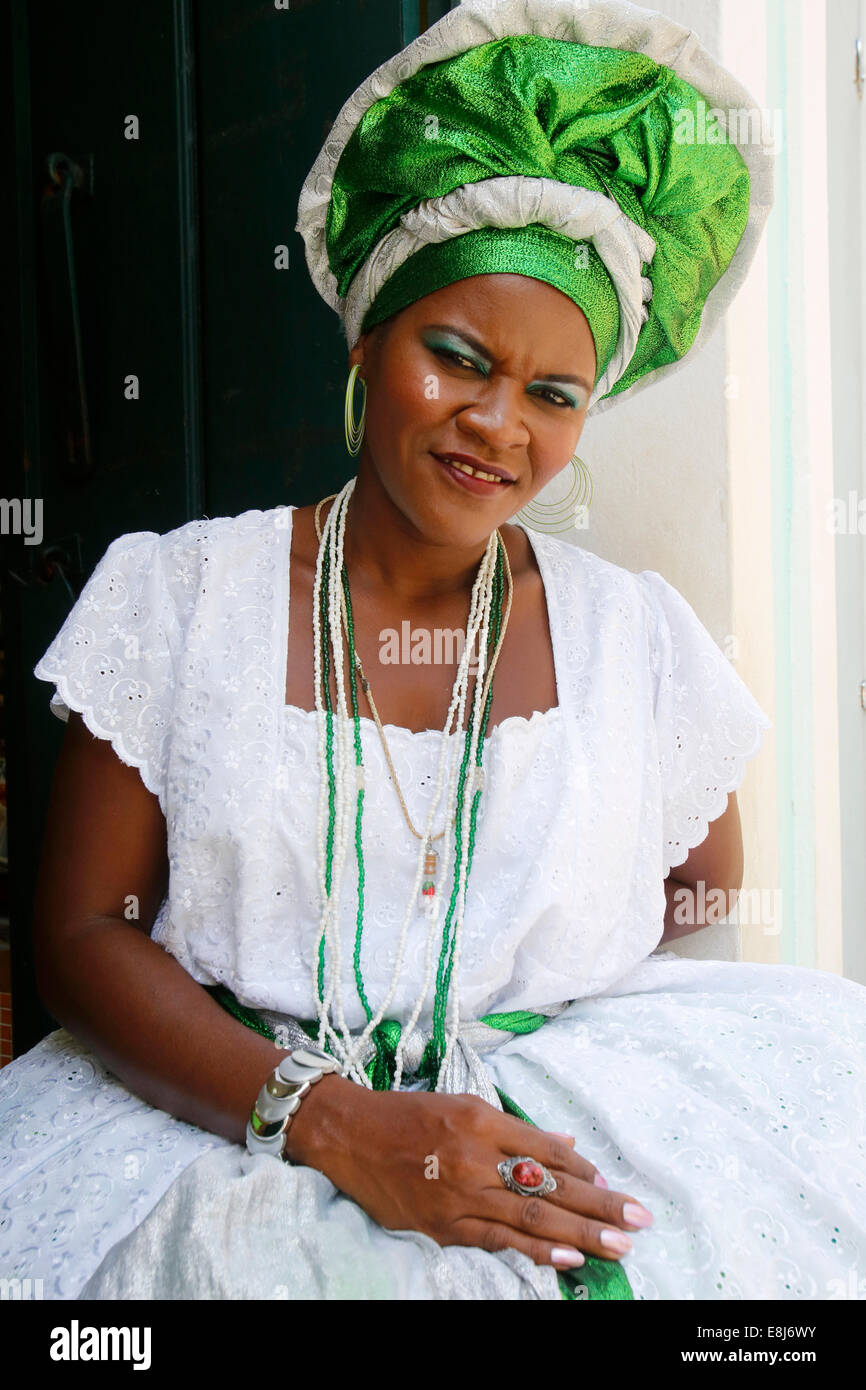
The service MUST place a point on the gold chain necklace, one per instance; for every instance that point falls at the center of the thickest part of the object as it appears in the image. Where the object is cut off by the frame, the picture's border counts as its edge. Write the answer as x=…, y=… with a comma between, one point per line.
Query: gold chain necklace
x=431, y=858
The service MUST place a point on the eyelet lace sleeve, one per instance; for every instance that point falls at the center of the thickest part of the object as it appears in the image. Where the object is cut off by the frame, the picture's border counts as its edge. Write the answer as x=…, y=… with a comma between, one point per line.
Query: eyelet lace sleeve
x=708, y=723
x=111, y=660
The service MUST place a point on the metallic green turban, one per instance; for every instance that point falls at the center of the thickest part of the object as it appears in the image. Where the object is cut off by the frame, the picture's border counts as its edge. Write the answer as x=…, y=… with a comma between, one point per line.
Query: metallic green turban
x=597, y=147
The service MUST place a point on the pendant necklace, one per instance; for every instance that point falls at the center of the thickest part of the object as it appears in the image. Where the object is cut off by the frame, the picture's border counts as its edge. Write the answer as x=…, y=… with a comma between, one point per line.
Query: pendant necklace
x=431, y=858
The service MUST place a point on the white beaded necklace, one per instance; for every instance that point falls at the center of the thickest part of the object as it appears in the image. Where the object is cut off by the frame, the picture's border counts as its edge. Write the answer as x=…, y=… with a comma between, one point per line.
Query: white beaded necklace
x=347, y=782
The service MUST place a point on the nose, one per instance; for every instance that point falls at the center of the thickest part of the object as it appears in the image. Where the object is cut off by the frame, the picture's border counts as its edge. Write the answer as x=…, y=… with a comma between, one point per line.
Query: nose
x=495, y=414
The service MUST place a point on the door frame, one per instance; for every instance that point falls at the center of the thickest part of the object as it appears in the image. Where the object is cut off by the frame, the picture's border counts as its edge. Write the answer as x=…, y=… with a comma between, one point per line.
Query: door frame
x=846, y=119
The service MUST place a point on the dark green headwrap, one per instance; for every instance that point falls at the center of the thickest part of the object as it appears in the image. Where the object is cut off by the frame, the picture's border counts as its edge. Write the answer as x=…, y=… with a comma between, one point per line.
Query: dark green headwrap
x=535, y=251
x=572, y=143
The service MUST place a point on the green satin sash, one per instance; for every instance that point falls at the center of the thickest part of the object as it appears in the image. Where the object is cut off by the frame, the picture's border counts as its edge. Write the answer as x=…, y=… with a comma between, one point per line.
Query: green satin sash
x=596, y=1279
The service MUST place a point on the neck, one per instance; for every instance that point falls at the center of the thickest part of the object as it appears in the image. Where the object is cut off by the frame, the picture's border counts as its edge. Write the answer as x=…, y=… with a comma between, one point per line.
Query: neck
x=384, y=549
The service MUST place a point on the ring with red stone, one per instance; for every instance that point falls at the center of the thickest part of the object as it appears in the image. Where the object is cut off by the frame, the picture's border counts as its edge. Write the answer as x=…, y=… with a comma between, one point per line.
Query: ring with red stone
x=526, y=1177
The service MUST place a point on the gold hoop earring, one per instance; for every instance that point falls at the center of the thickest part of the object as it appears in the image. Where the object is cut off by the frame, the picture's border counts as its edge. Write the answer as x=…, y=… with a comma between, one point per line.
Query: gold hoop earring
x=566, y=512
x=354, y=433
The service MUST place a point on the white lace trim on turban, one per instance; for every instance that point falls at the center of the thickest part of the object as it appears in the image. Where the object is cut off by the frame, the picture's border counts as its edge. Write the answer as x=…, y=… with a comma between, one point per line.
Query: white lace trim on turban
x=517, y=200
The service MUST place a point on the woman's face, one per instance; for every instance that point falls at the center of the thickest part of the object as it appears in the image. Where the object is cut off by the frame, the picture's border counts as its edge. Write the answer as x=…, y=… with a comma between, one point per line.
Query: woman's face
x=497, y=368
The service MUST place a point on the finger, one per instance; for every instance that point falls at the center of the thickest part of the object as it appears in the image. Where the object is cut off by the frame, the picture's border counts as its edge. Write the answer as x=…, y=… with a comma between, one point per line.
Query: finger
x=553, y=1146
x=581, y=1196
x=616, y=1208
x=552, y=1150
x=495, y=1236
x=541, y=1219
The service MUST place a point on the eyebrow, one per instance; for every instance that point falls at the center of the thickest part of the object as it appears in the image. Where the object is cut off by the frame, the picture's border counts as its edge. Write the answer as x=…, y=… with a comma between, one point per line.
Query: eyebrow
x=480, y=348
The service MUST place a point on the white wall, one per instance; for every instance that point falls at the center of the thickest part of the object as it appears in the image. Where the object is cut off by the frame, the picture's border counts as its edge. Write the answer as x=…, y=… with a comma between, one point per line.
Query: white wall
x=719, y=479
x=682, y=486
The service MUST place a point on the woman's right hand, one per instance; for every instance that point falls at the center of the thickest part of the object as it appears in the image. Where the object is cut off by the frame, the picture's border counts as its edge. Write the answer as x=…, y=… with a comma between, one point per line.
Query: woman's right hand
x=421, y=1161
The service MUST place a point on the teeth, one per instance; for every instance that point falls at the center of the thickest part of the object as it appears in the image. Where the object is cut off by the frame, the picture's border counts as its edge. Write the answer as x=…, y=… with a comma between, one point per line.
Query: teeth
x=474, y=472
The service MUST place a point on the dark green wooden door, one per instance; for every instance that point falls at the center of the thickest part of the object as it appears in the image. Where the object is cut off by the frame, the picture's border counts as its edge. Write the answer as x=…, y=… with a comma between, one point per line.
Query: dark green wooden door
x=168, y=363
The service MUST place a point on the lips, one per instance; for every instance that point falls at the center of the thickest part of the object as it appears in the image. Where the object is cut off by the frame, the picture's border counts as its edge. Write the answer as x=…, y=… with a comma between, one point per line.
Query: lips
x=472, y=462
x=480, y=487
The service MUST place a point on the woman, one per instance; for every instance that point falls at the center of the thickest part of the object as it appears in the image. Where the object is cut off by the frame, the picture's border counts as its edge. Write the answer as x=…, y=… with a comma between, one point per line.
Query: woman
x=442, y=912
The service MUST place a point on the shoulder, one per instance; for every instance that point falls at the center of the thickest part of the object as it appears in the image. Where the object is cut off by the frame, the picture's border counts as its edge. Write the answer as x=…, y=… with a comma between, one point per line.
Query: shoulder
x=582, y=577
x=185, y=555
x=174, y=575
x=205, y=537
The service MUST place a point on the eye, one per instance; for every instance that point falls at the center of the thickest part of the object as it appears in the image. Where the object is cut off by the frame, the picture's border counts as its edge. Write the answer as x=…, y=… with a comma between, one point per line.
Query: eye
x=458, y=357
x=556, y=398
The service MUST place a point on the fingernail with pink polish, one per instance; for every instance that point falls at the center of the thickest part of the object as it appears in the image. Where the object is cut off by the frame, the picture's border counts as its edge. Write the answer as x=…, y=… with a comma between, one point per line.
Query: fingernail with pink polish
x=563, y=1255
x=599, y=1180
x=616, y=1240
x=634, y=1215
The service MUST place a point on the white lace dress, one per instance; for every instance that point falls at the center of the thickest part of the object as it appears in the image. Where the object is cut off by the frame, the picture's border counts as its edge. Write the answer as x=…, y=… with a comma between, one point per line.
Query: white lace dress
x=726, y=1097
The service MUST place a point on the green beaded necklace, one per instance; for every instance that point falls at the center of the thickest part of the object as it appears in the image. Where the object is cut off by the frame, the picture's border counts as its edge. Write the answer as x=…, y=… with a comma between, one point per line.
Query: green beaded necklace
x=435, y=1050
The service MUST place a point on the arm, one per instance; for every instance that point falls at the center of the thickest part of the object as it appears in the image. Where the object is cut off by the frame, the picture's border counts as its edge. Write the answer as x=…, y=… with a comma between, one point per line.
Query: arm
x=156, y=1028
x=102, y=976
x=717, y=863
